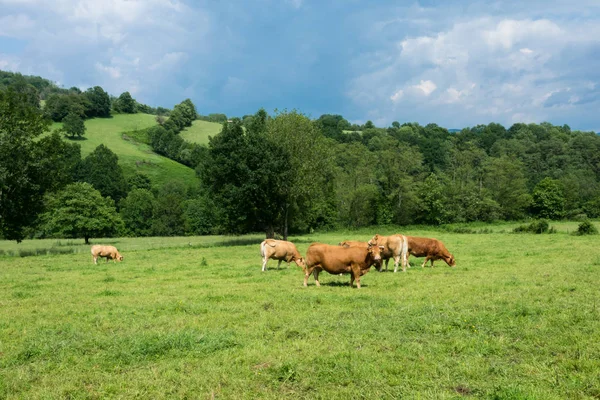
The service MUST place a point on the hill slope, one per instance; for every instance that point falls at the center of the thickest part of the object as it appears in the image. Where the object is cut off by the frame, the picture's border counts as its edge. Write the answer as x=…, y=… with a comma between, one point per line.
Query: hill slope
x=133, y=156
x=200, y=131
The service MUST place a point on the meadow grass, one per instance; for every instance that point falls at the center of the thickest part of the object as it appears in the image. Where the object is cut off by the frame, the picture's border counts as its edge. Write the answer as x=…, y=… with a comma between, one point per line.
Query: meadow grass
x=200, y=131
x=518, y=318
x=134, y=156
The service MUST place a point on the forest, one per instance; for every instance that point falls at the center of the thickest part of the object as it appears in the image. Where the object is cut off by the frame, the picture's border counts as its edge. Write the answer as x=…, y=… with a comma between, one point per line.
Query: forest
x=278, y=173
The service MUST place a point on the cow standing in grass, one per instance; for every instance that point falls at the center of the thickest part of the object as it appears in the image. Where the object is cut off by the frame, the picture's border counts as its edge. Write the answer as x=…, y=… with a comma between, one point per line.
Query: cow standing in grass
x=338, y=259
x=364, y=245
x=394, y=246
x=109, y=252
x=280, y=250
x=431, y=249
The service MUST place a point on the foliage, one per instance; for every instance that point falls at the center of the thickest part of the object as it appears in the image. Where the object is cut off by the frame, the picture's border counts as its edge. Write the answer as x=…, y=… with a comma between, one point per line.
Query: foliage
x=78, y=211
x=139, y=181
x=168, y=210
x=73, y=125
x=101, y=169
x=200, y=216
x=539, y=226
x=22, y=183
x=125, y=104
x=98, y=103
x=58, y=106
x=548, y=199
x=137, y=212
x=586, y=228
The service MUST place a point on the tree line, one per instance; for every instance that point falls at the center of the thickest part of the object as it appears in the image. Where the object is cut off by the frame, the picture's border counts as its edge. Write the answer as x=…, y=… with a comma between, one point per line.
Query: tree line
x=287, y=173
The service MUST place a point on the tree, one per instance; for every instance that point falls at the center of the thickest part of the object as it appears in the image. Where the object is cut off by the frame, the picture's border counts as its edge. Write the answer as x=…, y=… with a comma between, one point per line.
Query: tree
x=125, y=103
x=20, y=199
x=168, y=210
x=98, y=103
x=73, y=125
x=59, y=105
x=101, y=169
x=137, y=211
x=548, y=199
x=79, y=210
x=139, y=181
x=504, y=178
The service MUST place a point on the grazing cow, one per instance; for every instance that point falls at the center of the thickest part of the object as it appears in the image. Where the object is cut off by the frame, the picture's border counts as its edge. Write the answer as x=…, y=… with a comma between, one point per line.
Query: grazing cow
x=431, y=249
x=364, y=245
x=280, y=250
x=110, y=252
x=337, y=259
x=394, y=246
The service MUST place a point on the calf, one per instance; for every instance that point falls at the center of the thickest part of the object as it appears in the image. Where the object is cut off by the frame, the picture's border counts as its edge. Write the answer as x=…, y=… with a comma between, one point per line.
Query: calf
x=337, y=259
x=431, y=249
x=280, y=250
x=110, y=252
x=394, y=246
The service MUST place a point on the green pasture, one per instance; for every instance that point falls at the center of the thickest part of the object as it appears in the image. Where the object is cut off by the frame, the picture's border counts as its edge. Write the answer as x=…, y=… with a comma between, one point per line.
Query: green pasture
x=200, y=131
x=518, y=318
x=134, y=156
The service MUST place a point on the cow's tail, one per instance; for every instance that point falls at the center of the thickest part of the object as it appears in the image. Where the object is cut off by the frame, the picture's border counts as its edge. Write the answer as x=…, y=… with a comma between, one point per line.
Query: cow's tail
x=404, y=253
x=262, y=248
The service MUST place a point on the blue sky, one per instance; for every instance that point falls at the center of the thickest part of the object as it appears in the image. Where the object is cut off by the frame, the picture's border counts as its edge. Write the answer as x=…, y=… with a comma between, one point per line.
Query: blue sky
x=455, y=63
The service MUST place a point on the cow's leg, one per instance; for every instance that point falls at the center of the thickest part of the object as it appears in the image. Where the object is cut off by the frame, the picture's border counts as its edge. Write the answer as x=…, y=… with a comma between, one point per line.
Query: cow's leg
x=279, y=264
x=264, y=266
x=355, y=274
x=387, y=260
x=396, y=262
x=95, y=258
x=425, y=262
x=316, y=275
x=432, y=262
x=307, y=272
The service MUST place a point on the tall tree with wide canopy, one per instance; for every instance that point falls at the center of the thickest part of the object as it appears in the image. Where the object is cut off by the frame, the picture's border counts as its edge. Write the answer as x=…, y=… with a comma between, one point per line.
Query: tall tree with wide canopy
x=101, y=169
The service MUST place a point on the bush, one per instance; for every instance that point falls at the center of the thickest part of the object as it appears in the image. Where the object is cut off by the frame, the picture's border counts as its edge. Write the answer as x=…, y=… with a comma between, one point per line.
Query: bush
x=539, y=226
x=586, y=228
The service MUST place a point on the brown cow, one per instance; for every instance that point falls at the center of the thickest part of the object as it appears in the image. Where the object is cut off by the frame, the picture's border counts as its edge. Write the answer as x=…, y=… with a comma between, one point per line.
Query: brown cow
x=394, y=246
x=110, y=252
x=337, y=259
x=280, y=250
x=364, y=245
x=431, y=249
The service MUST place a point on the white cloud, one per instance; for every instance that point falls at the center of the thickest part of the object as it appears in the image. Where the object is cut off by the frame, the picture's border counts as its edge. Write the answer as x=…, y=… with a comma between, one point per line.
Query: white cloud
x=9, y=63
x=16, y=26
x=113, y=72
x=427, y=87
x=485, y=67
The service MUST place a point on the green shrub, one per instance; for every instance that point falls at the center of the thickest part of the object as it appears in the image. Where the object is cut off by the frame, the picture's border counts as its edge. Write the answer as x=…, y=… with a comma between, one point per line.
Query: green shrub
x=586, y=228
x=539, y=226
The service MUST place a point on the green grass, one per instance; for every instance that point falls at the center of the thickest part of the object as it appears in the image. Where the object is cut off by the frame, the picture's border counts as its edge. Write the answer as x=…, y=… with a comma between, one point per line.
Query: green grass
x=133, y=155
x=200, y=131
x=518, y=318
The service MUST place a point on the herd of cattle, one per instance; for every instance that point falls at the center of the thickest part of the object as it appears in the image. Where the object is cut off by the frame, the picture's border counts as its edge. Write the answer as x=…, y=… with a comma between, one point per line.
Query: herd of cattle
x=350, y=256
x=356, y=257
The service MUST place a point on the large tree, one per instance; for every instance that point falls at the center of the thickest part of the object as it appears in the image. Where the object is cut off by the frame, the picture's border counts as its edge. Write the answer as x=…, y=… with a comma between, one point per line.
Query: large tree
x=125, y=103
x=73, y=125
x=98, y=104
x=245, y=173
x=101, y=169
x=78, y=211
x=20, y=124
x=137, y=211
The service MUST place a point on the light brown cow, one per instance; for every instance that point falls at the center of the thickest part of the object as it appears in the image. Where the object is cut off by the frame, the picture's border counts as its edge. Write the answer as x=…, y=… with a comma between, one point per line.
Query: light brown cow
x=110, y=252
x=394, y=246
x=280, y=250
x=337, y=259
x=431, y=249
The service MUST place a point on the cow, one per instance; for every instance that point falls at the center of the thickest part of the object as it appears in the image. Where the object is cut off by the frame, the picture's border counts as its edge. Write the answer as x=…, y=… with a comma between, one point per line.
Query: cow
x=364, y=245
x=431, y=249
x=280, y=250
x=394, y=246
x=338, y=259
x=110, y=252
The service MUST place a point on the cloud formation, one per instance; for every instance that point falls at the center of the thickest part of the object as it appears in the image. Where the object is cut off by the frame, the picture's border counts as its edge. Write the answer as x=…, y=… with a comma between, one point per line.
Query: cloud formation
x=457, y=63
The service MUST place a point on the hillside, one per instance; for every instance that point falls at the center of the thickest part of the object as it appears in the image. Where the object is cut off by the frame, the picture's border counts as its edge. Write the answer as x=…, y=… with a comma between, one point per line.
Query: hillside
x=133, y=156
x=200, y=131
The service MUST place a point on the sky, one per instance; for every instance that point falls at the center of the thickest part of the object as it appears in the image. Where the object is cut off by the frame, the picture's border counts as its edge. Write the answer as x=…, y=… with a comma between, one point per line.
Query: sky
x=452, y=62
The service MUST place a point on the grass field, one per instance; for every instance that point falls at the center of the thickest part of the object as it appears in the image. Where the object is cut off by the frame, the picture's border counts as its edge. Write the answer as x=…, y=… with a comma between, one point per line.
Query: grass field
x=200, y=131
x=133, y=156
x=518, y=318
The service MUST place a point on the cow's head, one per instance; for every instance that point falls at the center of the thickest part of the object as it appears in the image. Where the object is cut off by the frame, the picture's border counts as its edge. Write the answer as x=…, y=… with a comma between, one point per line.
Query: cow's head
x=450, y=260
x=375, y=252
x=119, y=257
x=301, y=262
x=374, y=240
